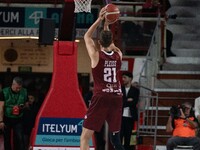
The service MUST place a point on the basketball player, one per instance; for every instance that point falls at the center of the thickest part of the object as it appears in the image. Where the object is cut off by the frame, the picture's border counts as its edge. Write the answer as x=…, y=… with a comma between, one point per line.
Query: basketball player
x=106, y=103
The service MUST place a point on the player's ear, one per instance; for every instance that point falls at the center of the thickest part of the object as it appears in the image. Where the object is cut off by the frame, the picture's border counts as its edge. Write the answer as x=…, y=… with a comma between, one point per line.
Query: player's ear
x=99, y=42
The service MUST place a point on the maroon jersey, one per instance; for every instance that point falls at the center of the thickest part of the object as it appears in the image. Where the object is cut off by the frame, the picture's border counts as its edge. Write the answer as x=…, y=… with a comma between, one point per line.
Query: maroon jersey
x=106, y=73
x=106, y=103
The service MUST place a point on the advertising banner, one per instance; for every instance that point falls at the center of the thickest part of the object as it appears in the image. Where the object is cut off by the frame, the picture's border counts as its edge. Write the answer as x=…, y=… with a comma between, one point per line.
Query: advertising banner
x=59, y=131
x=24, y=21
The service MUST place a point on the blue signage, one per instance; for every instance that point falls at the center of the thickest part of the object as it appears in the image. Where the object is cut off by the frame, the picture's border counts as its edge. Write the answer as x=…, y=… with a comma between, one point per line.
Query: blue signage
x=33, y=15
x=54, y=13
x=60, y=126
x=12, y=17
x=59, y=131
x=24, y=21
x=28, y=17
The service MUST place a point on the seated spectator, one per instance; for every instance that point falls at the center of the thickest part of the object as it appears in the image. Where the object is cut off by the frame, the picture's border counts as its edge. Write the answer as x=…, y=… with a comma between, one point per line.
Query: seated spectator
x=197, y=108
x=182, y=123
x=197, y=112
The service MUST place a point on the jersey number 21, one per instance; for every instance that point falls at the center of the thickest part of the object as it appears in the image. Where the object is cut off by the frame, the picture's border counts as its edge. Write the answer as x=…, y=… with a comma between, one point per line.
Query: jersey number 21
x=110, y=75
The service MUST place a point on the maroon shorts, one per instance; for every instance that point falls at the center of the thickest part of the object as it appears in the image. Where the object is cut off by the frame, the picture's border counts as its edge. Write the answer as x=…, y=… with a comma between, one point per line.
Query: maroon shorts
x=104, y=107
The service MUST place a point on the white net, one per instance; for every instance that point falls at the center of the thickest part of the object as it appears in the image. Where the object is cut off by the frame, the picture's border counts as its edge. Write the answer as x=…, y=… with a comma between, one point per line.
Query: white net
x=82, y=6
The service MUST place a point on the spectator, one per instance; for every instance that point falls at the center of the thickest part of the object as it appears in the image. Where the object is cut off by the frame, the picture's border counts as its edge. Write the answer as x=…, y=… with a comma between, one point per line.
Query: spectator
x=89, y=94
x=12, y=102
x=197, y=108
x=183, y=126
x=197, y=112
x=29, y=118
x=130, y=111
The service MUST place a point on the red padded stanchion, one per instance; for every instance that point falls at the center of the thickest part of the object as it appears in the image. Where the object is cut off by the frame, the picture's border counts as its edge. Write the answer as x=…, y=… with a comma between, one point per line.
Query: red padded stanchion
x=59, y=121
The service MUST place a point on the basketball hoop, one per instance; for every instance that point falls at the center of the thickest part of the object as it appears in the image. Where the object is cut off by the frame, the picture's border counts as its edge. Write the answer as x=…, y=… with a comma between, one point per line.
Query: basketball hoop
x=82, y=6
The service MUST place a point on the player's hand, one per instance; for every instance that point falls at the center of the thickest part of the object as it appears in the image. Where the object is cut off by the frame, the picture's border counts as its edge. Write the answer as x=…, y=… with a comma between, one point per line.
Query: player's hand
x=107, y=23
x=102, y=13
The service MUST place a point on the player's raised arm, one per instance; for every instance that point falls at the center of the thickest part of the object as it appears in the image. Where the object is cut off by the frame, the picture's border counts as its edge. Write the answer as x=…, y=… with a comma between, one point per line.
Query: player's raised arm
x=90, y=44
x=106, y=25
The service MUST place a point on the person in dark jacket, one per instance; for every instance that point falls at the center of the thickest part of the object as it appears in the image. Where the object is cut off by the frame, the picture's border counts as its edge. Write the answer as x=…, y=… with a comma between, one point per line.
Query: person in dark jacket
x=29, y=116
x=130, y=111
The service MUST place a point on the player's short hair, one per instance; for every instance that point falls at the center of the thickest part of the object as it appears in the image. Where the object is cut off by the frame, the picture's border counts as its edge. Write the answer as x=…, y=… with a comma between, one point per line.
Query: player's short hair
x=106, y=38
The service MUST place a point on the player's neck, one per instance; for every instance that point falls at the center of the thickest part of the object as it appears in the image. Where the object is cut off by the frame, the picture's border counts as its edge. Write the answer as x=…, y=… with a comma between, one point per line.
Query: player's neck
x=106, y=50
